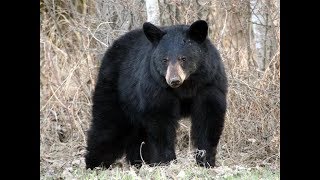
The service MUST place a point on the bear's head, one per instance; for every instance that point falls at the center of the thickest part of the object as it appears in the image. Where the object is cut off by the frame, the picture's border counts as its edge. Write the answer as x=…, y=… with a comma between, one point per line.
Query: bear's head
x=178, y=51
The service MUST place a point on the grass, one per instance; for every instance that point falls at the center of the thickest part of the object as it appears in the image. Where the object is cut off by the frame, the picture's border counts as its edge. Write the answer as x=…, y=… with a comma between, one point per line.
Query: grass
x=172, y=171
x=73, y=38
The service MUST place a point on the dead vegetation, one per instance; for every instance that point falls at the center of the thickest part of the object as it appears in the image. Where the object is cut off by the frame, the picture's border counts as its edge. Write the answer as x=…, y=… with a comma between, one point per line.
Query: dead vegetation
x=74, y=36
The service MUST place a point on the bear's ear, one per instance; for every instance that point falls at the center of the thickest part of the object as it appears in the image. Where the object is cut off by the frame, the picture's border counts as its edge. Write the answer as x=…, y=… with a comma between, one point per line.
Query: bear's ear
x=153, y=33
x=198, y=31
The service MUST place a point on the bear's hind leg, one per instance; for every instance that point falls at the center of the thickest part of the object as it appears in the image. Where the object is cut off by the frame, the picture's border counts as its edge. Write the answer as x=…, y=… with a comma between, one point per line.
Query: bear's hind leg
x=109, y=130
x=104, y=146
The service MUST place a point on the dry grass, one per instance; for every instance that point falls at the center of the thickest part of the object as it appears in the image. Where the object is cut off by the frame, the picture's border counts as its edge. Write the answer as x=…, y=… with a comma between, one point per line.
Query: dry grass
x=75, y=36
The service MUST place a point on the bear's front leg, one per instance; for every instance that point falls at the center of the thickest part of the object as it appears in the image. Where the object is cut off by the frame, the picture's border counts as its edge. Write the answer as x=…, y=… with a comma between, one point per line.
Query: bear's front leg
x=161, y=135
x=208, y=112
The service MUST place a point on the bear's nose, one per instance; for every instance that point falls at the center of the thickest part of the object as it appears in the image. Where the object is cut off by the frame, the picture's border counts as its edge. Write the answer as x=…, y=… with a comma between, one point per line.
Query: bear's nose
x=175, y=81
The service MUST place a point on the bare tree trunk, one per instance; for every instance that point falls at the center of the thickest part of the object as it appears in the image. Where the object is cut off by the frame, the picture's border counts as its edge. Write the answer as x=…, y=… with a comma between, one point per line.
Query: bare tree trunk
x=259, y=32
x=153, y=11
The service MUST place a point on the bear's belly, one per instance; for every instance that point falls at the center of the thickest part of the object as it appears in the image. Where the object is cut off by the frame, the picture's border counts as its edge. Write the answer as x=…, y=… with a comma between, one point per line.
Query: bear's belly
x=185, y=107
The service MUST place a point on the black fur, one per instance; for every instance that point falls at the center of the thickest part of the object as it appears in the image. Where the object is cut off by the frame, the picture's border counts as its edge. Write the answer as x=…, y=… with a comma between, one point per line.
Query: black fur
x=132, y=102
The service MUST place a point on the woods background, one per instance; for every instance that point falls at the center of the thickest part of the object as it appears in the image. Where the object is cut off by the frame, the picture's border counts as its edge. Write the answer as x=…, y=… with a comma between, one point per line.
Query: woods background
x=74, y=34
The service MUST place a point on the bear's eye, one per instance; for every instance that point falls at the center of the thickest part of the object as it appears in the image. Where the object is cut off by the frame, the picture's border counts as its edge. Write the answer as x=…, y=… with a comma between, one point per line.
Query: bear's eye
x=183, y=59
x=165, y=60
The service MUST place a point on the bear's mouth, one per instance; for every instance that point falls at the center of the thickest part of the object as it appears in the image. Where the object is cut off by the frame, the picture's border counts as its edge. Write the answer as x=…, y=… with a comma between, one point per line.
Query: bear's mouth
x=175, y=86
x=174, y=83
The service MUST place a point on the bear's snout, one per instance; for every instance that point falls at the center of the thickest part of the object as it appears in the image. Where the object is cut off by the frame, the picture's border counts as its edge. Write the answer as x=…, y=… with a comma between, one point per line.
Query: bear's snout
x=175, y=82
x=175, y=75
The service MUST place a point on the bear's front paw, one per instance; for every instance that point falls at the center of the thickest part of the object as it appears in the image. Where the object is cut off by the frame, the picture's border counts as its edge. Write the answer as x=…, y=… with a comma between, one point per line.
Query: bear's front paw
x=203, y=160
x=169, y=155
x=163, y=158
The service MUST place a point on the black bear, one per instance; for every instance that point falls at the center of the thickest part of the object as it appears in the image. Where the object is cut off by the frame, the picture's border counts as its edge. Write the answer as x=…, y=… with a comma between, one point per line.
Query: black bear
x=148, y=80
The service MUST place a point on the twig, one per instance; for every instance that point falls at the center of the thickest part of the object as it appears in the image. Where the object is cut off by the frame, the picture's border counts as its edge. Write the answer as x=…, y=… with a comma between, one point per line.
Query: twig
x=141, y=152
x=93, y=34
x=97, y=38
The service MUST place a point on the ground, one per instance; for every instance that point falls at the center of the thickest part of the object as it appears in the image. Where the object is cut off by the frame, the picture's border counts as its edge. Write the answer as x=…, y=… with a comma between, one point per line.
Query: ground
x=183, y=168
x=65, y=160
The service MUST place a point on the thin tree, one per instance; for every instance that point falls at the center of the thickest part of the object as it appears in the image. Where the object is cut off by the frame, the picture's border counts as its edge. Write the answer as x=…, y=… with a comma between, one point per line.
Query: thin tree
x=259, y=32
x=153, y=11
